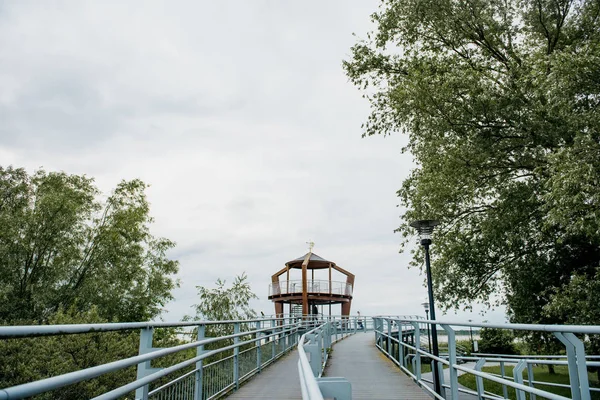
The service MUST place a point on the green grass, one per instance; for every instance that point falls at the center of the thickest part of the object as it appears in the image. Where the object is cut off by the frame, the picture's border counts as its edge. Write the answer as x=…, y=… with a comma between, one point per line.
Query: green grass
x=425, y=367
x=539, y=374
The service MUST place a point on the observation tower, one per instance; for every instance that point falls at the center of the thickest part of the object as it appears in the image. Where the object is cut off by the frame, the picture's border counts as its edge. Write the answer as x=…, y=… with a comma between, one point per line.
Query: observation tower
x=300, y=286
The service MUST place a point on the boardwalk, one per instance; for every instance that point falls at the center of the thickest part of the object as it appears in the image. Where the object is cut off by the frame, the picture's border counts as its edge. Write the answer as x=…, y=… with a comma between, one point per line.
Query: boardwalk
x=371, y=374
x=356, y=358
x=278, y=381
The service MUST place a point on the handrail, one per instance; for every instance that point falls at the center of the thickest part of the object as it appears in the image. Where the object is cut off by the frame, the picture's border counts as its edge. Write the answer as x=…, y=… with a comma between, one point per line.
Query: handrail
x=17, y=331
x=398, y=348
x=44, y=385
x=593, y=329
x=308, y=382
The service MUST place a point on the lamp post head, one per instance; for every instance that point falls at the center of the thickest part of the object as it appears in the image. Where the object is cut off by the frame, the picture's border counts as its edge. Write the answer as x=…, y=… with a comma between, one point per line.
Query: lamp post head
x=425, y=306
x=425, y=228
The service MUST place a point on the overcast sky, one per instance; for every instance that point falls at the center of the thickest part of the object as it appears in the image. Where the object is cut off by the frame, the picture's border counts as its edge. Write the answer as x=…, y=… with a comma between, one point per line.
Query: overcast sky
x=239, y=116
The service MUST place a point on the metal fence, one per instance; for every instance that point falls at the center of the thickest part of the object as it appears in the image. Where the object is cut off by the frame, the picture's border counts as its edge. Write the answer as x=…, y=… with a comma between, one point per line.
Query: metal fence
x=313, y=352
x=401, y=339
x=219, y=364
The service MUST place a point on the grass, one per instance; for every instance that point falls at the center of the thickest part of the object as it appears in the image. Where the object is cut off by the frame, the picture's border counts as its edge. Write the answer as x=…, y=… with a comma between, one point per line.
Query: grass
x=425, y=367
x=539, y=374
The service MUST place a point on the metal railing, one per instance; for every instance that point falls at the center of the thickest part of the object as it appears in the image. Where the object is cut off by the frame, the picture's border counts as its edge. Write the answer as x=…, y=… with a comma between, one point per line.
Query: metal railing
x=313, y=352
x=219, y=364
x=401, y=340
x=313, y=286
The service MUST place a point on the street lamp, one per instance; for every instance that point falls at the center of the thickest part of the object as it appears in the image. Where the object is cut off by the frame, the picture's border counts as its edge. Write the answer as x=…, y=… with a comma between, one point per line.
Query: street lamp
x=426, y=307
x=425, y=229
x=472, y=342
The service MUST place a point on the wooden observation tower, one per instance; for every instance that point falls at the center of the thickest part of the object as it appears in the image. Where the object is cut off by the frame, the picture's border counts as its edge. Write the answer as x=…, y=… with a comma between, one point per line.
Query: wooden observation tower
x=309, y=291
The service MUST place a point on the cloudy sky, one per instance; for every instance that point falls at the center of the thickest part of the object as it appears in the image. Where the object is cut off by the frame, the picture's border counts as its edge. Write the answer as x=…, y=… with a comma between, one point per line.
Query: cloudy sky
x=239, y=116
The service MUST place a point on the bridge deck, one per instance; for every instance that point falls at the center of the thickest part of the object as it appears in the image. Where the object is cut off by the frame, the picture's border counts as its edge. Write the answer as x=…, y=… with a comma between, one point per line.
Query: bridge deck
x=356, y=358
x=372, y=374
x=279, y=380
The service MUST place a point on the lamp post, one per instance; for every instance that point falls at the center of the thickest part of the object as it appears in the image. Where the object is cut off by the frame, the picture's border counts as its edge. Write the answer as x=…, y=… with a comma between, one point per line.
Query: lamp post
x=425, y=229
x=472, y=342
x=426, y=307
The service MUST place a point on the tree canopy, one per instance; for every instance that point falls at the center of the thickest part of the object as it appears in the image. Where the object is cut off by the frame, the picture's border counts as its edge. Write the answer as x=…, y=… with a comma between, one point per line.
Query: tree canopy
x=500, y=102
x=62, y=247
x=226, y=303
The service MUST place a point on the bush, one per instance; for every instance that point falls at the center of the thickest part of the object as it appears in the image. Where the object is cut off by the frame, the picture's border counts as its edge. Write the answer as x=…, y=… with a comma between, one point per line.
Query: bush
x=497, y=341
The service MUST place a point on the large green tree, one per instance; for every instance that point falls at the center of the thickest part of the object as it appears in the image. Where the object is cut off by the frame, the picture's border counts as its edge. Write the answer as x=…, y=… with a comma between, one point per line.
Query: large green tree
x=63, y=246
x=500, y=101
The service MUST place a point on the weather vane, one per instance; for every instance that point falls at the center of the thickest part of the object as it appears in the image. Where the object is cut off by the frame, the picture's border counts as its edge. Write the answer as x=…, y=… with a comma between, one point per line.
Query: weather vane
x=310, y=244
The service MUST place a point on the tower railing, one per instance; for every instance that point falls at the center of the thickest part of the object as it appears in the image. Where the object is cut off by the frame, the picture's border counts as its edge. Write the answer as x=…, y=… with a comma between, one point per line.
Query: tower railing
x=320, y=286
x=401, y=340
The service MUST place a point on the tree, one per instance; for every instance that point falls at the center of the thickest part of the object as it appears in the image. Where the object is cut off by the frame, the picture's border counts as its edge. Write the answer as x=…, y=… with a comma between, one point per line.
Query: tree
x=30, y=359
x=224, y=304
x=61, y=247
x=499, y=100
x=497, y=341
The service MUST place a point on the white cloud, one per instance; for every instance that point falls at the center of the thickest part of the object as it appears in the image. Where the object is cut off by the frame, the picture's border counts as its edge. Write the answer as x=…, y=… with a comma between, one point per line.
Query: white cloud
x=240, y=117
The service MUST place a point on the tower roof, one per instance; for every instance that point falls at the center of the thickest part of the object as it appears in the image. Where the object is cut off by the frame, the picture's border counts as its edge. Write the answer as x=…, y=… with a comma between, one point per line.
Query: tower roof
x=314, y=261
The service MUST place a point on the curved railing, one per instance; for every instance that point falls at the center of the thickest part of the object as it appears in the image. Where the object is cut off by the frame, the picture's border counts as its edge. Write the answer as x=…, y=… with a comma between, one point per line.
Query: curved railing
x=408, y=352
x=314, y=286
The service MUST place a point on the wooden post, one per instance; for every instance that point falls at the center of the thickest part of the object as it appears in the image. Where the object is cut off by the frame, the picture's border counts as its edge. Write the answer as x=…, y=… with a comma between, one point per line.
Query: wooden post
x=330, y=285
x=305, y=284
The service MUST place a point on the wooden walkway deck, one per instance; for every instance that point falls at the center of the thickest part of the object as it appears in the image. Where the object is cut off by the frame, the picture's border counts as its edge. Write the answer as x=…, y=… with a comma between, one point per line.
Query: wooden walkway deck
x=372, y=374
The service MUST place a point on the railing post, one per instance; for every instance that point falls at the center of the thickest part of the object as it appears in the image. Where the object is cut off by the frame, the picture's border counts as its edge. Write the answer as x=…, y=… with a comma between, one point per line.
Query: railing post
x=144, y=368
x=198, y=379
x=286, y=336
x=518, y=378
x=479, y=380
x=273, y=326
x=503, y=373
x=236, y=356
x=389, y=336
x=312, y=347
x=258, y=351
x=400, y=344
x=417, y=343
x=452, y=361
x=530, y=380
x=577, y=367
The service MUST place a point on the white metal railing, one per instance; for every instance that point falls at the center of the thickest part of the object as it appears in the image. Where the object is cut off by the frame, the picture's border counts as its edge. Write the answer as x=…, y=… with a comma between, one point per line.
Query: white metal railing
x=313, y=286
x=252, y=343
x=400, y=339
x=313, y=352
x=244, y=349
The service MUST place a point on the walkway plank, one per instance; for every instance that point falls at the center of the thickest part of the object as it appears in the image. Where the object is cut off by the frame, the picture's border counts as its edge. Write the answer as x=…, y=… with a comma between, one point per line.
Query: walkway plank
x=372, y=374
x=279, y=380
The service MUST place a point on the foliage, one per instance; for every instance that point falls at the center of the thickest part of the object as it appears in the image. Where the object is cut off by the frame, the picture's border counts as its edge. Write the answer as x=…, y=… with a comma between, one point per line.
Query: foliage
x=499, y=100
x=30, y=359
x=574, y=304
x=497, y=341
x=62, y=247
x=224, y=304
